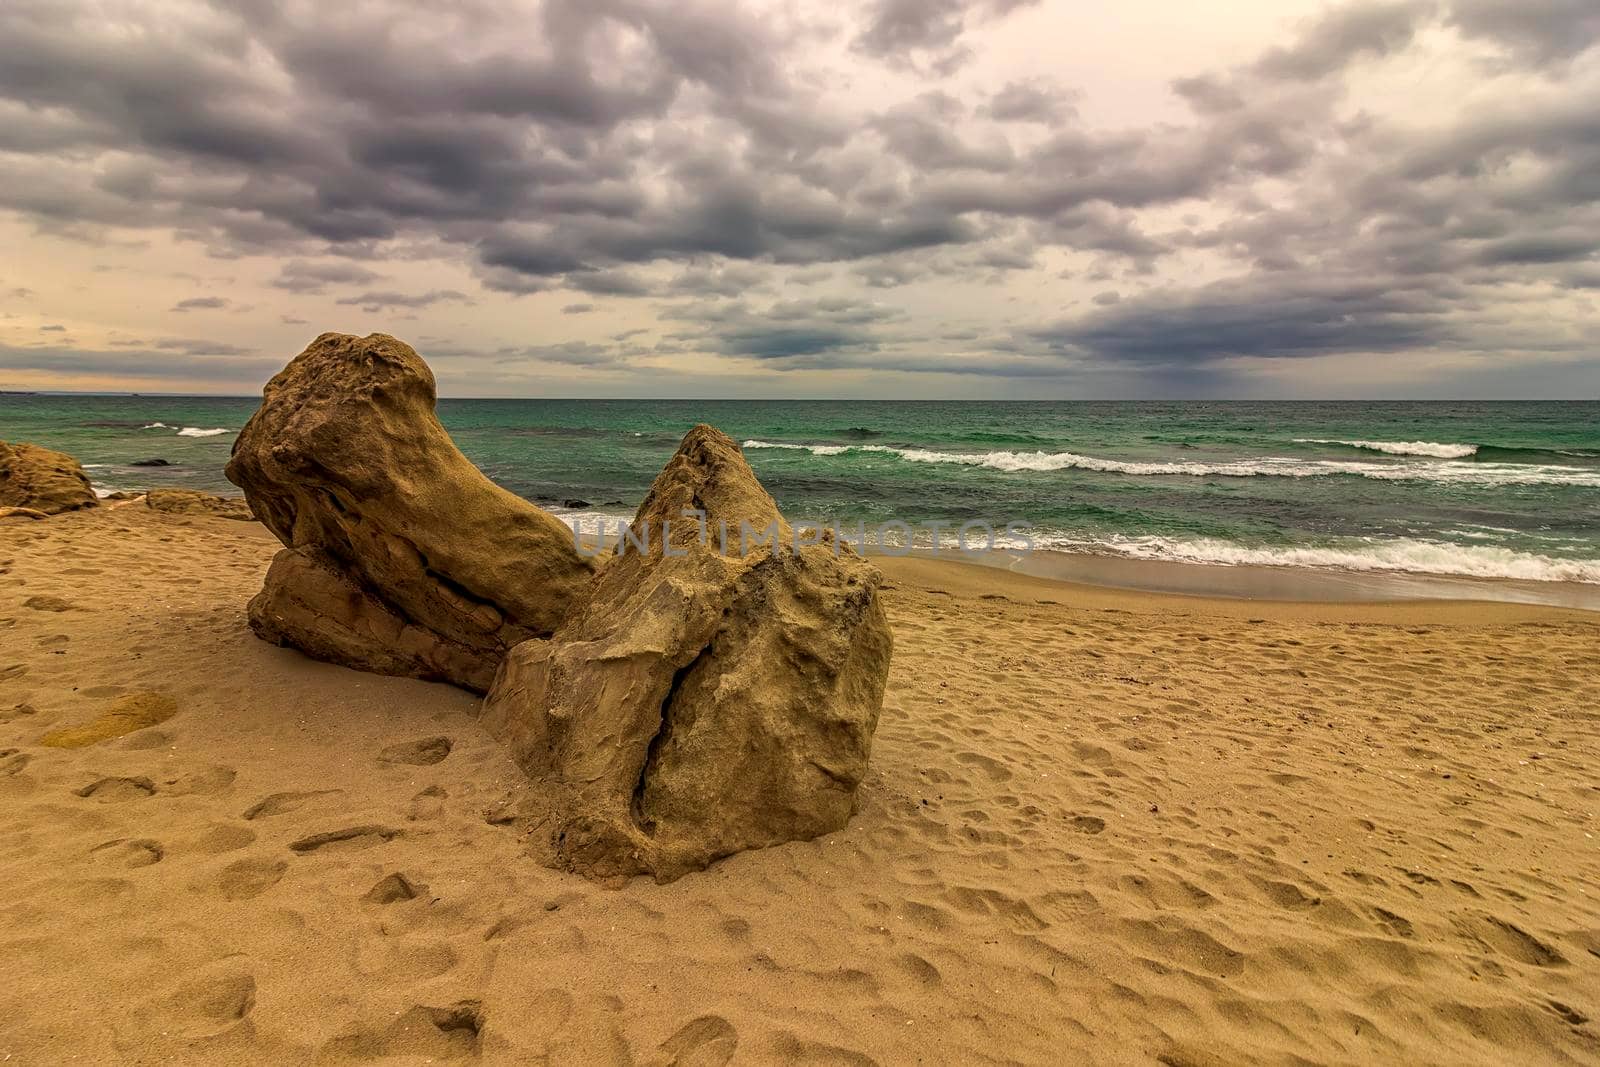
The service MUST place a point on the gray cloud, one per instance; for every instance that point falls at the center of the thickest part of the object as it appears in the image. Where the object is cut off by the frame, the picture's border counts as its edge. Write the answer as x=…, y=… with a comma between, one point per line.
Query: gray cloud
x=906, y=32
x=1344, y=34
x=299, y=276
x=692, y=153
x=784, y=329
x=373, y=302
x=172, y=362
x=201, y=303
x=1544, y=31
x=1032, y=100
x=1292, y=318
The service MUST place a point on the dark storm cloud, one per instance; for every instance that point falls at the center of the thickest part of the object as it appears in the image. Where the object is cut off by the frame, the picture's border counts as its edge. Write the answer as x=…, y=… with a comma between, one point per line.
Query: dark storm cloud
x=630, y=148
x=577, y=309
x=273, y=128
x=1294, y=318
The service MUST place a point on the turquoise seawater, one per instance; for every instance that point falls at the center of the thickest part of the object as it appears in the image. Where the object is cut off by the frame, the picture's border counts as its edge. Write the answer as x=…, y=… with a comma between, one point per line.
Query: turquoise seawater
x=1490, y=489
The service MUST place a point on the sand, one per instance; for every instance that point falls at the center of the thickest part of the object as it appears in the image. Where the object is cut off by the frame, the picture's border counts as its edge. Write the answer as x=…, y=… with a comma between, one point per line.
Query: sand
x=1099, y=824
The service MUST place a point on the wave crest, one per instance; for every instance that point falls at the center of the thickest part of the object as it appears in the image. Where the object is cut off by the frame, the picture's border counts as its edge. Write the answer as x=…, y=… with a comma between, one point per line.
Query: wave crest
x=1398, y=555
x=1487, y=474
x=1435, y=449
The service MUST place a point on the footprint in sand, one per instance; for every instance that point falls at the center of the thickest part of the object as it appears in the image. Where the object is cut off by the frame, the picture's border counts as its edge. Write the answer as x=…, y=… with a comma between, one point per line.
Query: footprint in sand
x=708, y=1041
x=359, y=836
x=245, y=879
x=201, y=783
x=114, y=790
x=224, y=838
x=280, y=803
x=145, y=740
x=422, y=1034
x=201, y=1007
x=129, y=852
x=428, y=804
x=18, y=711
x=1509, y=939
x=49, y=603
x=423, y=753
x=12, y=760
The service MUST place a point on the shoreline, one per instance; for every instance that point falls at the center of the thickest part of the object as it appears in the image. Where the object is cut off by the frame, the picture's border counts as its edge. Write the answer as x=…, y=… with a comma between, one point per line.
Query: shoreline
x=1245, y=582
x=1253, y=582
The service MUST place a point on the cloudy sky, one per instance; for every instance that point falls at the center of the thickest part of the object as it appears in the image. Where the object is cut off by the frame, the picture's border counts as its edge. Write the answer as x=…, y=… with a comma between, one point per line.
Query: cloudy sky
x=896, y=198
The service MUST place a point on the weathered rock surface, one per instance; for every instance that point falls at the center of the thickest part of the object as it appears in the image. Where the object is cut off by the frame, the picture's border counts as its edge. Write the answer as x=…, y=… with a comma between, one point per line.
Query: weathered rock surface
x=401, y=557
x=705, y=699
x=194, y=502
x=40, y=479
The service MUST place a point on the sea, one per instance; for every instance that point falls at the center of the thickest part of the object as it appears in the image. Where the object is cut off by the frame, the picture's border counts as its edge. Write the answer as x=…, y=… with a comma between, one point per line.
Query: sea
x=1479, y=489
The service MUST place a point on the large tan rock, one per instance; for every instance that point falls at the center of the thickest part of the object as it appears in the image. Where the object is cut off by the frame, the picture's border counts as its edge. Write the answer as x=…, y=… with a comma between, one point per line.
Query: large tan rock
x=194, y=502
x=704, y=699
x=40, y=479
x=410, y=561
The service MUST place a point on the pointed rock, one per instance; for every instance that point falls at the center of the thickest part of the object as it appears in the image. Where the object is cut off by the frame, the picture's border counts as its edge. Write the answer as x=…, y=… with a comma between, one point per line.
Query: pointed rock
x=717, y=691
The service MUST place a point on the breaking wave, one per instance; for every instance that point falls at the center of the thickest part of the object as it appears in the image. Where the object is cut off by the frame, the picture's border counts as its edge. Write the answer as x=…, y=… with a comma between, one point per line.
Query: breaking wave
x=187, y=431
x=1398, y=555
x=1265, y=466
x=1400, y=448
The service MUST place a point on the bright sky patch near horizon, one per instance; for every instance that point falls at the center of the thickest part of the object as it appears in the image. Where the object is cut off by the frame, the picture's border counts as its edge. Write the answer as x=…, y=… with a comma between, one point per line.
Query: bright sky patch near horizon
x=901, y=198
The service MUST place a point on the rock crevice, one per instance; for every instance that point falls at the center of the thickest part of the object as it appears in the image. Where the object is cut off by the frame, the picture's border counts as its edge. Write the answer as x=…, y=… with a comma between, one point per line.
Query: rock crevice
x=705, y=700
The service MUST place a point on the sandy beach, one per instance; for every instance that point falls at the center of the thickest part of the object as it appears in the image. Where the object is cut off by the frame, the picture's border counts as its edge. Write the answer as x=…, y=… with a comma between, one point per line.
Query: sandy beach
x=1116, y=825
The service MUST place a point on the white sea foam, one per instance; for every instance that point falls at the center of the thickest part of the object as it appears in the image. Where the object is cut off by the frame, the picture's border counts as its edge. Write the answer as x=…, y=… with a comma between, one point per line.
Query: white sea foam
x=1435, y=449
x=815, y=450
x=155, y=426
x=194, y=431
x=1400, y=555
x=1489, y=474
